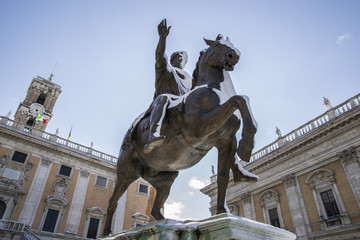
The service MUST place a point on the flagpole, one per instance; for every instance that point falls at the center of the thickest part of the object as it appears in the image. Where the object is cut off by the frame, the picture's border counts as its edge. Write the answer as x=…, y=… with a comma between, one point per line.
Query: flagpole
x=70, y=132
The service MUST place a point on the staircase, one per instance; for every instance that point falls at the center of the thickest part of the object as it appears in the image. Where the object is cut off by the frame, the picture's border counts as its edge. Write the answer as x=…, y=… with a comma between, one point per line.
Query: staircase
x=10, y=230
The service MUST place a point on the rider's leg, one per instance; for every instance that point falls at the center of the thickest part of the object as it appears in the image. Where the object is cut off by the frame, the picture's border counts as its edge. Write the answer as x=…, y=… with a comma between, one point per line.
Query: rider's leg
x=156, y=118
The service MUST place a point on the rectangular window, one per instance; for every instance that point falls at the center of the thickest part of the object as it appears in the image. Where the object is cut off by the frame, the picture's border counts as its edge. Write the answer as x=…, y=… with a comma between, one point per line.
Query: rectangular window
x=65, y=170
x=274, y=217
x=93, y=228
x=101, y=182
x=143, y=188
x=329, y=202
x=19, y=157
x=50, y=221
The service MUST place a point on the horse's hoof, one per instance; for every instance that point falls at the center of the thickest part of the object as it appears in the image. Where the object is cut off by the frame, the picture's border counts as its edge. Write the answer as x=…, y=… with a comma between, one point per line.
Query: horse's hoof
x=157, y=215
x=154, y=142
x=245, y=179
x=106, y=233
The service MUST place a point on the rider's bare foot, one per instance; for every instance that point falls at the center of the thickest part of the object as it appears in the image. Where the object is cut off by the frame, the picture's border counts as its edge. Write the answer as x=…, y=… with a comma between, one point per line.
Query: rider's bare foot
x=153, y=142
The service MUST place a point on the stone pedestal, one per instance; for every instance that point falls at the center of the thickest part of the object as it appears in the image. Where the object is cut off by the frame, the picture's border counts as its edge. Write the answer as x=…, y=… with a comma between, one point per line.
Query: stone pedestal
x=222, y=227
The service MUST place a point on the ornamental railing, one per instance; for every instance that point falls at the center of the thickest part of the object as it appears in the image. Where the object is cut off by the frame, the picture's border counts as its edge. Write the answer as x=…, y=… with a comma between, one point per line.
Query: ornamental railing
x=306, y=128
x=56, y=140
x=20, y=228
x=11, y=225
x=41, y=79
x=29, y=235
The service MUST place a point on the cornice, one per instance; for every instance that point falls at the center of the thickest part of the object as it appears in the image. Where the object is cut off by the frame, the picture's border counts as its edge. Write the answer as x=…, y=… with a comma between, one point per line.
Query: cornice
x=319, y=136
x=50, y=147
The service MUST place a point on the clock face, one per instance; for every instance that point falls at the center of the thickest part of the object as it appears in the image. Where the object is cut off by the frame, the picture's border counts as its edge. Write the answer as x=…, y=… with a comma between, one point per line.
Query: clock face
x=36, y=108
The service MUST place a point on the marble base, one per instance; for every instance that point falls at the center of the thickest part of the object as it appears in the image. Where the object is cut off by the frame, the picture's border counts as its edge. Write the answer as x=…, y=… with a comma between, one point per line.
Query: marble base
x=221, y=227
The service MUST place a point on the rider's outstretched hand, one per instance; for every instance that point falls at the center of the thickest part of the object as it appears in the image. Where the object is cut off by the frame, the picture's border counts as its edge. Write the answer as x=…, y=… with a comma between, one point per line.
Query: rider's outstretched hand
x=163, y=30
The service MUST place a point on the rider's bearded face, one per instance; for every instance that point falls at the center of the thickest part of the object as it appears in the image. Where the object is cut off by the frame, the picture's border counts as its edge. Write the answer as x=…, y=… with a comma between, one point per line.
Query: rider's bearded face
x=178, y=61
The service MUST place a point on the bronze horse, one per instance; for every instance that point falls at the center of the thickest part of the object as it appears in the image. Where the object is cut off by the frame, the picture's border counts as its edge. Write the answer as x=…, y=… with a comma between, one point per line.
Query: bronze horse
x=204, y=118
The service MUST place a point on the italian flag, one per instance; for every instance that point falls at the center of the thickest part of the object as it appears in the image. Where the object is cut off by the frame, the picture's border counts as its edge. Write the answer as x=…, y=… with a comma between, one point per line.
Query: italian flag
x=40, y=118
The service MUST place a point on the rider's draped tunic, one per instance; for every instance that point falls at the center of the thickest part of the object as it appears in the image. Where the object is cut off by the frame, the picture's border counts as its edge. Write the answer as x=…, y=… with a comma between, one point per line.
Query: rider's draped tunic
x=171, y=80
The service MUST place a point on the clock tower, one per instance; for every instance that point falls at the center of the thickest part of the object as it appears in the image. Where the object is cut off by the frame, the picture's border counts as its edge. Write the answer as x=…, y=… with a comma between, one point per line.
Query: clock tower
x=36, y=109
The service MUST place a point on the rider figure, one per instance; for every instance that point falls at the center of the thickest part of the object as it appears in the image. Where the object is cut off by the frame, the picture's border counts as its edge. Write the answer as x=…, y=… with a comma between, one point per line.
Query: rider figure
x=169, y=79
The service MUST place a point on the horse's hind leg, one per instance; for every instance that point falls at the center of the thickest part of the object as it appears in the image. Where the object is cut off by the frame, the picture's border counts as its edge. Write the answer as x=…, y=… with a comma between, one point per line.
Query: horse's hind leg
x=226, y=152
x=128, y=170
x=162, y=182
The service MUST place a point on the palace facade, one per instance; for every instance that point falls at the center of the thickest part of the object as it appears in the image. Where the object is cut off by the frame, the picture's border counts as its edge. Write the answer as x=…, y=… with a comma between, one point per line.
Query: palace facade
x=53, y=188
x=309, y=179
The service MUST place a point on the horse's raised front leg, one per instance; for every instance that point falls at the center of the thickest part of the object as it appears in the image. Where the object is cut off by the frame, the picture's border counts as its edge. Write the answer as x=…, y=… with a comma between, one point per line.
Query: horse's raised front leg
x=128, y=170
x=210, y=118
x=246, y=144
x=226, y=152
x=162, y=182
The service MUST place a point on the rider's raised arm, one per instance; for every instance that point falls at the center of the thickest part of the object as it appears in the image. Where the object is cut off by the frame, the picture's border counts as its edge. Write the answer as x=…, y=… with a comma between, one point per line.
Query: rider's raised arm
x=160, y=56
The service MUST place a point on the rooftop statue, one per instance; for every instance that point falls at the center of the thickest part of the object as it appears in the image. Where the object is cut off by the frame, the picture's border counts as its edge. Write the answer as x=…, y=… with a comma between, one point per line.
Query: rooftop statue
x=208, y=114
x=327, y=103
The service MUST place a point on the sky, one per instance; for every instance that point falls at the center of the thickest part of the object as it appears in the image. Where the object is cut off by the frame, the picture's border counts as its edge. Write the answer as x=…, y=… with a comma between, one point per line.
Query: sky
x=102, y=54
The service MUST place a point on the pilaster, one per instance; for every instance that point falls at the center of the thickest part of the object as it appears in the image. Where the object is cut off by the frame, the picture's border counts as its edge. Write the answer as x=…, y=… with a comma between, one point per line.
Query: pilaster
x=295, y=204
x=247, y=203
x=118, y=219
x=77, y=204
x=35, y=192
x=350, y=161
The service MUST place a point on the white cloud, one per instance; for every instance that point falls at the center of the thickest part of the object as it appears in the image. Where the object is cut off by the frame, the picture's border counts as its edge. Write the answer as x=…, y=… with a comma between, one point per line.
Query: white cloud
x=191, y=193
x=198, y=184
x=342, y=38
x=173, y=209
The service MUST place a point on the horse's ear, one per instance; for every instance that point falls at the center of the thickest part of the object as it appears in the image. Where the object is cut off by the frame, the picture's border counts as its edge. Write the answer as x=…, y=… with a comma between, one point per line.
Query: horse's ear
x=219, y=37
x=209, y=42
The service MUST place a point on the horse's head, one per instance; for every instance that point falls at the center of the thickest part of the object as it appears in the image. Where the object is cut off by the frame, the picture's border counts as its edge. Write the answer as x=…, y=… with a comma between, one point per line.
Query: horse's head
x=221, y=53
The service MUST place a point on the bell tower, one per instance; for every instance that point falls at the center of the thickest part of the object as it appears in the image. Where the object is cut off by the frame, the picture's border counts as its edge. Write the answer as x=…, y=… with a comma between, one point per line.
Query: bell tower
x=36, y=109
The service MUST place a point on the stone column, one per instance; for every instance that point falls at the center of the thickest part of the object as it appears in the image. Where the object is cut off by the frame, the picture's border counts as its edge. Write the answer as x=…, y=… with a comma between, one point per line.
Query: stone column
x=77, y=204
x=296, y=205
x=27, y=214
x=247, y=203
x=350, y=162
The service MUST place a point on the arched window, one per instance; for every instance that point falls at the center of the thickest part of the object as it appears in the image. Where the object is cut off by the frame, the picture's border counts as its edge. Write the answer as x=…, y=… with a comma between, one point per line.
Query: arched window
x=41, y=99
x=93, y=222
x=329, y=204
x=140, y=219
x=2, y=209
x=54, y=207
x=234, y=209
x=271, y=208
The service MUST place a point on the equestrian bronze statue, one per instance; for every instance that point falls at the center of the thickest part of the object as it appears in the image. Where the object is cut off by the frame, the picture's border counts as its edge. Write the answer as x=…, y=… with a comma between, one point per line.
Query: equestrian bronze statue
x=207, y=116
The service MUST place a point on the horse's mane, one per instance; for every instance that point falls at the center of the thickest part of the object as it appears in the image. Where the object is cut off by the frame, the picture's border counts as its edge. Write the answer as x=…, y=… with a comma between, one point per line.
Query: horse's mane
x=195, y=74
